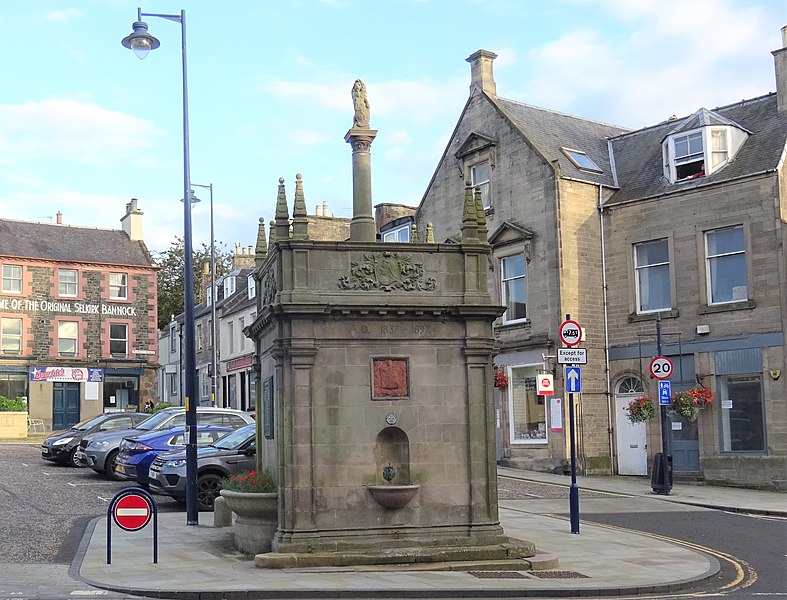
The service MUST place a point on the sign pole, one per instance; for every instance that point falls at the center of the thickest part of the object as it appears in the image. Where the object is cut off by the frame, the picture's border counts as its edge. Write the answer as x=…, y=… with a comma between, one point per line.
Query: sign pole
x=666, y=475
x=573, y=493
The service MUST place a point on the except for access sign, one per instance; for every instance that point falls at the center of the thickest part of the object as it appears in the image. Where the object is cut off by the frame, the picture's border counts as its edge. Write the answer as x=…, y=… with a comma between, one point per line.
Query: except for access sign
x=572, y=356
x=132, y=512
x=661, y=367
x=570, y=333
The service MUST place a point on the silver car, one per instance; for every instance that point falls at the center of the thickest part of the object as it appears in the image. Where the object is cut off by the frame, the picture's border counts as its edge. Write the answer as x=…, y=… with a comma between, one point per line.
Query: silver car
x=234, y=453
x=99, y=451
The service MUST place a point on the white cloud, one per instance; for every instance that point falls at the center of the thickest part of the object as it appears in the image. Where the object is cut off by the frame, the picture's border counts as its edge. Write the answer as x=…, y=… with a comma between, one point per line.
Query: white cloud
x=72, y=130
x=304, y=137
x=63, y=16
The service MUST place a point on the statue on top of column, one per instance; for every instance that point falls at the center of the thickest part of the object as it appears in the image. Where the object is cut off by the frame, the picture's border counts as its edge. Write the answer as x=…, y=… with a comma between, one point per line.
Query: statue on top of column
x=361, y=105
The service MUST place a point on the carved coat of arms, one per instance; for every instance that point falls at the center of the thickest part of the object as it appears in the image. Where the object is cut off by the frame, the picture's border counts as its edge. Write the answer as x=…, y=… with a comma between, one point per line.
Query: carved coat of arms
x=387, y=271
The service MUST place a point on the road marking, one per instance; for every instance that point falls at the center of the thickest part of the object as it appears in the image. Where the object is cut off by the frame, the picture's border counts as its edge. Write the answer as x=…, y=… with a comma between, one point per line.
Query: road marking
x=103, y=499
x=89, y=593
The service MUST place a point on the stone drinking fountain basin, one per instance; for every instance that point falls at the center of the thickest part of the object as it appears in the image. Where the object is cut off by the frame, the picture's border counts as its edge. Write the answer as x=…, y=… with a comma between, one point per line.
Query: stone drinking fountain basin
x=391, y=495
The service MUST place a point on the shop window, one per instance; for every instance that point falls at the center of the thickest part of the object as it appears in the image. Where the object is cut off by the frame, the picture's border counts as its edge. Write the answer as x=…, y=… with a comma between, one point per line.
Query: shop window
x=513, y=288
x=11, y=336
x=725, y=268
x=67, y=282
x=67, y=338
x=13, y=385
x=118, y=339
x=12, y=279
x=527, y=421
x=651, y=267
x=742, y=414
x=118, y=286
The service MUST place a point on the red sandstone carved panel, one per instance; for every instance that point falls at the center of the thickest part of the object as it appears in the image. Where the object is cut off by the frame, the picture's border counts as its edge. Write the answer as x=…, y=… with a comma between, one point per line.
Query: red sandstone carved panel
x=389, y=378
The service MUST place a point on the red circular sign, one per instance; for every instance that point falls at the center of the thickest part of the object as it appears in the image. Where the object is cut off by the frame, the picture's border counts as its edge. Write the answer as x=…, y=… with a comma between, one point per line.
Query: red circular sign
x=661, y=367
x=132, y=512
x=570, y=333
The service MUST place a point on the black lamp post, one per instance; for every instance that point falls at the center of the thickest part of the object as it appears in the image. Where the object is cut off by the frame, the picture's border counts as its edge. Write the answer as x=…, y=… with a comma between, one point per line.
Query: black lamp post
x=141, y=42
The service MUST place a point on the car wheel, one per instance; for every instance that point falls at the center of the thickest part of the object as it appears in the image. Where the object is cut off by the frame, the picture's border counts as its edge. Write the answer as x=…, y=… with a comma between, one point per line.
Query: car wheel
x=207, y=490
x=110, y=466
x=72, y=458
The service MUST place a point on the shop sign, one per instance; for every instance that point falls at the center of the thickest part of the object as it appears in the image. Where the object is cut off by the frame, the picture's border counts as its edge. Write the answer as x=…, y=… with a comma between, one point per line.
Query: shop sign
x=66, y=374
x=240, y=363
x=31, y=305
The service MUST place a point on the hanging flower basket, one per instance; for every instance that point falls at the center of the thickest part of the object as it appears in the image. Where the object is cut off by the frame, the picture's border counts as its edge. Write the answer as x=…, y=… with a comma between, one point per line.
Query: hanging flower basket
x=687, y=404
x=501, y=379
x=640, y=409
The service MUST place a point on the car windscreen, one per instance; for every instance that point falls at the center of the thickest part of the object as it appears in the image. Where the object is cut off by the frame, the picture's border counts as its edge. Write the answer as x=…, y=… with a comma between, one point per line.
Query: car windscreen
x=155, y=421
x=235, y=438
x=88, y=423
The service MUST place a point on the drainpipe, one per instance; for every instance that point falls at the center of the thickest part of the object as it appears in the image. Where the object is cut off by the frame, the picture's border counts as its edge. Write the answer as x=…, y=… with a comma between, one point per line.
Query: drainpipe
x=606, y=326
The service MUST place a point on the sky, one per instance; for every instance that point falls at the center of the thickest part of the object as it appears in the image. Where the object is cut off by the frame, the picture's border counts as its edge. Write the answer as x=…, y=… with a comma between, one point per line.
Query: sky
x=85, y=125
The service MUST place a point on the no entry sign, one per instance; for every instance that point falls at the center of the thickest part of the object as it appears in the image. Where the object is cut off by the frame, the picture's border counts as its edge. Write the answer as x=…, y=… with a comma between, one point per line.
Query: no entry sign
x=132, y=512
x=131, y=509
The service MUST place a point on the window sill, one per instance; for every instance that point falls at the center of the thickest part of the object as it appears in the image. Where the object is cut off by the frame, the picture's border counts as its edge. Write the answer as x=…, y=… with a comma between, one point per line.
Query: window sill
x=665, y=314
x=718, y=308
x=511, y=325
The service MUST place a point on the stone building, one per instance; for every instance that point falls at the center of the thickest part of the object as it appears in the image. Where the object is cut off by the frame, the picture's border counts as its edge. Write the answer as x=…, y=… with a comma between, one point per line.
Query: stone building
x=679, y=225
x=78, y=318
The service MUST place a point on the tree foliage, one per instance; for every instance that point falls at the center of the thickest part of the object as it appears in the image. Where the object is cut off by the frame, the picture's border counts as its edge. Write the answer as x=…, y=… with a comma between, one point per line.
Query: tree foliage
x=171, y=278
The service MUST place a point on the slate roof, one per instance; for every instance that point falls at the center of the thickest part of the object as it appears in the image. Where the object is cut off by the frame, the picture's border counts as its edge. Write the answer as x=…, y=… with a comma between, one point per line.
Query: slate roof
x=549, y=131
x=638, y=156
x=48, y=241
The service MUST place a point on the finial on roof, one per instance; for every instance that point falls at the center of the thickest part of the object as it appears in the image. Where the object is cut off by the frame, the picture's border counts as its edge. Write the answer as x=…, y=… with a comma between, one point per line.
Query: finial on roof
x=414, y=233
x=469, y=218
x=429, y=233
x=282, y=213
x=272, y=234
x=261, y=251
x=300, y=222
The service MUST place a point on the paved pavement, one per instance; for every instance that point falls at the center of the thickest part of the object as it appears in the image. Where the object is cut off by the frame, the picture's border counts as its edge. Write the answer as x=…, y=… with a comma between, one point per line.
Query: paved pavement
x=199, y=562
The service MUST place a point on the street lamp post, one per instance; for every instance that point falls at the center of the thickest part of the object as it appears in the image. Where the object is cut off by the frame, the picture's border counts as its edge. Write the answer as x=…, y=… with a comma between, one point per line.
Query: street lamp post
x=214, y=351
x=141, y=42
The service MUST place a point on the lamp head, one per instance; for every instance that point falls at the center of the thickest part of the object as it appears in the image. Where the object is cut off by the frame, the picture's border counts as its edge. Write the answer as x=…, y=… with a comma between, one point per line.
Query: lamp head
x=140, y=41
x=193, y=198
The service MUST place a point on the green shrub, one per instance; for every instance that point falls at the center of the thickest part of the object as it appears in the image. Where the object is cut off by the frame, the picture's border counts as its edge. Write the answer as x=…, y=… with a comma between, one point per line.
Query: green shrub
x=12, y=404
x=157, y=407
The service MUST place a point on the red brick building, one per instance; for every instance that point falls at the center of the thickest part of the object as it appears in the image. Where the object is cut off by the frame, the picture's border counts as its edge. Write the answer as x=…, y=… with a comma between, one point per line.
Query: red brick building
x=78, y=312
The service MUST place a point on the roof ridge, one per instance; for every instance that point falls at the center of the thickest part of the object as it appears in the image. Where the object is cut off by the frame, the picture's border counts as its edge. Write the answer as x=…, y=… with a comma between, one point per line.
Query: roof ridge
x=61, y=225
x=563, y=114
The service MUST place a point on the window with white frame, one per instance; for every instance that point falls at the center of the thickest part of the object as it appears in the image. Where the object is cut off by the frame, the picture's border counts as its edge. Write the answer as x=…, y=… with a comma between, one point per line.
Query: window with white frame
x=241, y=335
x=725, y=265
x=67, y=281
x=251, y=286
x=526, y=409
x=231, y=336
x=205, y=380
x=11, y=336
x=742, y=413
x=694, y=154
x=12, y=279
x=67, y=338
x=651, y=267
x=689, y=156
x=480, y=176
x=398, y=234
x=172, y=383
x=118, y=286
x=173, y=339
x=229, y=287
x=199, y=336
x=513, y=288
x=118, y=339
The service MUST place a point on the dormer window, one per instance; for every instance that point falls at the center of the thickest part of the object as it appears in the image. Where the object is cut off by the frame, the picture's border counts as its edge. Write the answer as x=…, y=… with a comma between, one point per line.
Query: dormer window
x=691, y=151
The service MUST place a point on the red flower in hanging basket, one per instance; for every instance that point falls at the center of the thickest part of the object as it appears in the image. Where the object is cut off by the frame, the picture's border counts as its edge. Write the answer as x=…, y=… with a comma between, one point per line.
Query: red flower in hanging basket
x=501, y=378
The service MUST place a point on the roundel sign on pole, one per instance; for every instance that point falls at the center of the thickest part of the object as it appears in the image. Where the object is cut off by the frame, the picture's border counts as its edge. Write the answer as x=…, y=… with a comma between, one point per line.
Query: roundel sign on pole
x=661, y=367
x=132, y=512
x=570, y=333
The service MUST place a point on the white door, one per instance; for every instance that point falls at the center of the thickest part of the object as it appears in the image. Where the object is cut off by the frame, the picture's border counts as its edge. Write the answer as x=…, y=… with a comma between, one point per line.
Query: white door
x=631, y=440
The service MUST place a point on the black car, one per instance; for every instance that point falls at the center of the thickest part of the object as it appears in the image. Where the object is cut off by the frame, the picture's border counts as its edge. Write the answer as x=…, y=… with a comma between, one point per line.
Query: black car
x=61, y=446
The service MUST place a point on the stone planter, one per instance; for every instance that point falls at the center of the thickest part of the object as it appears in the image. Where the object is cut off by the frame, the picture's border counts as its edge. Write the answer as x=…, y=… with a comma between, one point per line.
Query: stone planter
x=257, y=521
x=13, y=425
x=393, y=496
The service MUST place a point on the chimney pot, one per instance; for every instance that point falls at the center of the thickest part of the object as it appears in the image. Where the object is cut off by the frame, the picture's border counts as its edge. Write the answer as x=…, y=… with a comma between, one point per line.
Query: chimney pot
x=59, y=218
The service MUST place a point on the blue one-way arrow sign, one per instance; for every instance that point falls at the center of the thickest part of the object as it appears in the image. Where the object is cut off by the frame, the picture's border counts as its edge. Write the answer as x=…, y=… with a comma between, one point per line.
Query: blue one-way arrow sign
x=665, y=392
x=573, y=380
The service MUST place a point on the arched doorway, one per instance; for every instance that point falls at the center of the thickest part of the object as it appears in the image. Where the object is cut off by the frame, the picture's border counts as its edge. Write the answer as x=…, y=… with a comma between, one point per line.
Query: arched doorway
x=631, y=438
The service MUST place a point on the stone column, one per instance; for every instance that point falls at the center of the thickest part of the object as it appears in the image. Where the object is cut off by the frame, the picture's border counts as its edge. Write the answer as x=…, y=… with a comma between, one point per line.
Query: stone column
x=362, y=226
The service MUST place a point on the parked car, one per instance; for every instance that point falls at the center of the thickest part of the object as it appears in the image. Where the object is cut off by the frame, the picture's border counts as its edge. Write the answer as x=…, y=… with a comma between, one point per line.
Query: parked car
x=234, y=453
x=138, y=451
x=99, y=451
x=62, y=446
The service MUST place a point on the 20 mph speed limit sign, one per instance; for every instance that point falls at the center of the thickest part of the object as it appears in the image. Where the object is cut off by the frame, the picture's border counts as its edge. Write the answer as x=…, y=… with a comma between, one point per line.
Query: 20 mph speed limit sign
x=570, y=333
x=661, y=367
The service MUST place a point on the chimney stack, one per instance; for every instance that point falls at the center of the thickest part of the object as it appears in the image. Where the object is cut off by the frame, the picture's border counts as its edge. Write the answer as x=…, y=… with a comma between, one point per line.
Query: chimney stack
x=59, y=218
x=780, y=62
x=132, y=221
x=482, y=78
